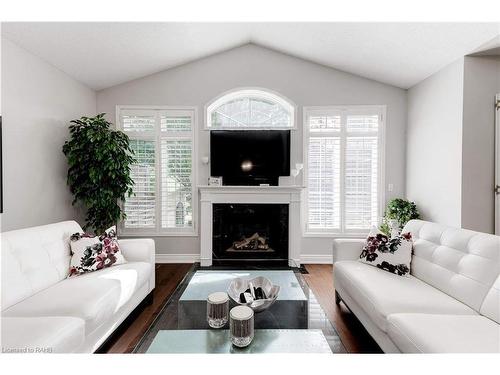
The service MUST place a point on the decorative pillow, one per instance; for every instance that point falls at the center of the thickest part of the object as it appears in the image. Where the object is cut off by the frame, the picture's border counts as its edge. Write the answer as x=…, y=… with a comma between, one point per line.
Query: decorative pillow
x=390, y=254
x=91, y=253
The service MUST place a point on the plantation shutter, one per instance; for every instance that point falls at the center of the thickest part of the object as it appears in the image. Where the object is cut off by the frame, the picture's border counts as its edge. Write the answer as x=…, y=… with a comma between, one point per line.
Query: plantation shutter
x=140, y=208
x=342, y=170
x=361, y=170
x=324, y=182
x=138, y=122
x=361, y=182
x=176, y=170
x=163, y=178
x=177, y=209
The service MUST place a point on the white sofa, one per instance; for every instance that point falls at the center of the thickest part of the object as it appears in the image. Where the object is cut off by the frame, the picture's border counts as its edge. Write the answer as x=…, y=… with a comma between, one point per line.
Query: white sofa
x=44, y=311
x=449, y=304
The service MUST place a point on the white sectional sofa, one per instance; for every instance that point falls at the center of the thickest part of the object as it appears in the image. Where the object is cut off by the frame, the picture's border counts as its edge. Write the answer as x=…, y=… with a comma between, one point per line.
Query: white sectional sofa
x=449, y=304
x=44, y=311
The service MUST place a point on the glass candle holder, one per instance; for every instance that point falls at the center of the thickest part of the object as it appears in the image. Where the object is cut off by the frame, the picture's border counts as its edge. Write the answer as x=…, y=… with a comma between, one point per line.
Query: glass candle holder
x=241, y=326
x=217, y=309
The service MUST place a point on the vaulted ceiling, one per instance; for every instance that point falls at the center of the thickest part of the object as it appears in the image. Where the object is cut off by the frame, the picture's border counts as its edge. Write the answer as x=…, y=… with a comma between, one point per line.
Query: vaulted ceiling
x=102, y=55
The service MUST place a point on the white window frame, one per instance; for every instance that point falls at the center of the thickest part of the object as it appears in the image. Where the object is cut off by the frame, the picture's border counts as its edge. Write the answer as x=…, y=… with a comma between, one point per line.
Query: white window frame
x=158, y=231
x=322, y=110
x=253, y=92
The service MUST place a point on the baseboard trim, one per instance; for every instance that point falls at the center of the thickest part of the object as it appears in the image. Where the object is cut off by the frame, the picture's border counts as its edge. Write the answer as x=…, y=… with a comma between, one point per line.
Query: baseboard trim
x=177, y=258
x=316, y=259
x=193, y=258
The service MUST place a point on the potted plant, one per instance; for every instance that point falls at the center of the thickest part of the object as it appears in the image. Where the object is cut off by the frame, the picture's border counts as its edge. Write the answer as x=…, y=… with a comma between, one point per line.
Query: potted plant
x=398, y=212
x=99, y=160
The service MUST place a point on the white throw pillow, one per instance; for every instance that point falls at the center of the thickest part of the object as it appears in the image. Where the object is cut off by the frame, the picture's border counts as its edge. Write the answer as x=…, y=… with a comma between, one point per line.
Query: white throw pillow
x=94, y=253
x=390, y=254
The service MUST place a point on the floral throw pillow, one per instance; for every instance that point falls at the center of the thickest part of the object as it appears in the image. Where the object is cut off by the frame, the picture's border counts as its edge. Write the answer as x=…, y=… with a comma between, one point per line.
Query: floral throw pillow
x=389, y=254
x=91, y=253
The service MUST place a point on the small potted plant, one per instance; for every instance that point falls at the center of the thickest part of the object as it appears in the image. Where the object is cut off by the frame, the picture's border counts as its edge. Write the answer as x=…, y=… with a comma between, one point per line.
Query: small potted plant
x=99, y=160
x=398, y=212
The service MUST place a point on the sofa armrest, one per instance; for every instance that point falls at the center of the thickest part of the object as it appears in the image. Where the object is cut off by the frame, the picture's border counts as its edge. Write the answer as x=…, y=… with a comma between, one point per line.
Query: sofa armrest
x=140, y=250
x=347, y=248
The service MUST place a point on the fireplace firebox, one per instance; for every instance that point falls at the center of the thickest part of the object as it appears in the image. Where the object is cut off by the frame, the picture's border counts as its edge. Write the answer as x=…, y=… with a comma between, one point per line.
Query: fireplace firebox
x=250, y=232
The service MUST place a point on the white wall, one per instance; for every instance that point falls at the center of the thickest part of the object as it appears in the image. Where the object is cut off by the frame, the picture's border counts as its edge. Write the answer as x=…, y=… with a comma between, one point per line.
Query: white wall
x=450, y=145
x=38, y=101
x=305, y=83
x=434, y=145
x=481, y=84
x=1, y=146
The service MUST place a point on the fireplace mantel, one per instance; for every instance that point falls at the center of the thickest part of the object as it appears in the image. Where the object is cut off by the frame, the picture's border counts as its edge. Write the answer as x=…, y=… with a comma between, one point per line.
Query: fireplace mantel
x=290, y=195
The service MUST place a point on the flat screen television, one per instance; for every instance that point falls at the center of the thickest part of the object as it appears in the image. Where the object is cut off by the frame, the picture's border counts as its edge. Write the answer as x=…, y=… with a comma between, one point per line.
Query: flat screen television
x=249, y=157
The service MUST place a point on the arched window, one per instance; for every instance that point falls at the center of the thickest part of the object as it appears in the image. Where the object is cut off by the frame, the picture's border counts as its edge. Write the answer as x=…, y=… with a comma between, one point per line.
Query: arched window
x=250, y=108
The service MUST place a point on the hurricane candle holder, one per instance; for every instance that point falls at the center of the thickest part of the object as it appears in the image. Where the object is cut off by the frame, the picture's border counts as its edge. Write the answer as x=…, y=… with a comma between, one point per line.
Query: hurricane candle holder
x=241, y=326
x=217, y=309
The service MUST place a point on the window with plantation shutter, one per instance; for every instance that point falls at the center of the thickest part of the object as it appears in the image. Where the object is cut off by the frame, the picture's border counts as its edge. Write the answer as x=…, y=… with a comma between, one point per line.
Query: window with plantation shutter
x=177, y=209
x=138, y=123
x=361, y=182
x=343, y=169
x=140, y=208
x=163, y=202
x=324, y=182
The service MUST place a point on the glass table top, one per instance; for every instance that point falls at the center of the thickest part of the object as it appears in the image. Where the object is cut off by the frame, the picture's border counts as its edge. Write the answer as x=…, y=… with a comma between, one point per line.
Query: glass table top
x=217, y=341
x=205, y=282
x=295, y=323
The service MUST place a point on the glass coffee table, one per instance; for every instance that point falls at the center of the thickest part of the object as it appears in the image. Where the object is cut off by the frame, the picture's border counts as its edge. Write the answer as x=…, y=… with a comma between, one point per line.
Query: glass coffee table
x=295, y=323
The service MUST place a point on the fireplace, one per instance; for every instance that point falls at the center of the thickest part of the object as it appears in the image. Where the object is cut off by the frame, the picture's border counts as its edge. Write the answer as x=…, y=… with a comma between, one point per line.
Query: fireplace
x=213, y=230
x=250, y=232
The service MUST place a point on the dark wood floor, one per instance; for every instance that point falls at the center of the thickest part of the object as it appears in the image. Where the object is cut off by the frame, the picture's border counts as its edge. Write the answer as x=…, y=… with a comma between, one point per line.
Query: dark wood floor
x=352, y=333
x=168, y=276
x=319, y=279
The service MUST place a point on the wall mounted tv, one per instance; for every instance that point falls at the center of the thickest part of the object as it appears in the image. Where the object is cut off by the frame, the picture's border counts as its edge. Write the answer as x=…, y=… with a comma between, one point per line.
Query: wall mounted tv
x=249, y=157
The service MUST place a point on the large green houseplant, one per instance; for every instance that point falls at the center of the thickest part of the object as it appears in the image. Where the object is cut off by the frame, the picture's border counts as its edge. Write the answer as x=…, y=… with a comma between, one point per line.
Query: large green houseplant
x=99, y=161
x=398, y=212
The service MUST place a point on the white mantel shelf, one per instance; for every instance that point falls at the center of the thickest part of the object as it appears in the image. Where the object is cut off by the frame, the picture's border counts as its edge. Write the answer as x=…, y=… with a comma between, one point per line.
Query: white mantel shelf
x=290, y=195
x=225, y=188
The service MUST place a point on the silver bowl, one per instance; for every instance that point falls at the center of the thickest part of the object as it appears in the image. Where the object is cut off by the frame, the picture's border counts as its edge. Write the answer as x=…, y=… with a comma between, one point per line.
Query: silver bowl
x=239, y=285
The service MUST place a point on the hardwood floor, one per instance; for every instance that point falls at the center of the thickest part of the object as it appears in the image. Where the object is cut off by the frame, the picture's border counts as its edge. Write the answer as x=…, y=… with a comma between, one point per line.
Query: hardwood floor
x=319, y=279
x=352, y=333
x=168, y=276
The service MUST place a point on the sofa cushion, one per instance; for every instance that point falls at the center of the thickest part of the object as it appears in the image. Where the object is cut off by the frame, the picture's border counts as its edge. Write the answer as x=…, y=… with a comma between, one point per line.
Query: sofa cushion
x=51, y=334
x=93, y=297
x=436, y=333
x=92, y=253
x=381, y=293
x=34, y=259
x=491, y=304
x=461, y=263
x=389, y=254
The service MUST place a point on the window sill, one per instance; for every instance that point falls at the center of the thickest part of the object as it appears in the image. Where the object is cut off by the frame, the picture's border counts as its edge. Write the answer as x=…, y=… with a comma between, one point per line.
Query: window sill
x=209, y=128
x=122, y=233
x=334, y=235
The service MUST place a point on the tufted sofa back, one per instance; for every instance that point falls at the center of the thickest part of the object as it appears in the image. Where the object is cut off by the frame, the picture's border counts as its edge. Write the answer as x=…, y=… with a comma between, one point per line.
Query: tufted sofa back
x=461, y=263
x=34, y=259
